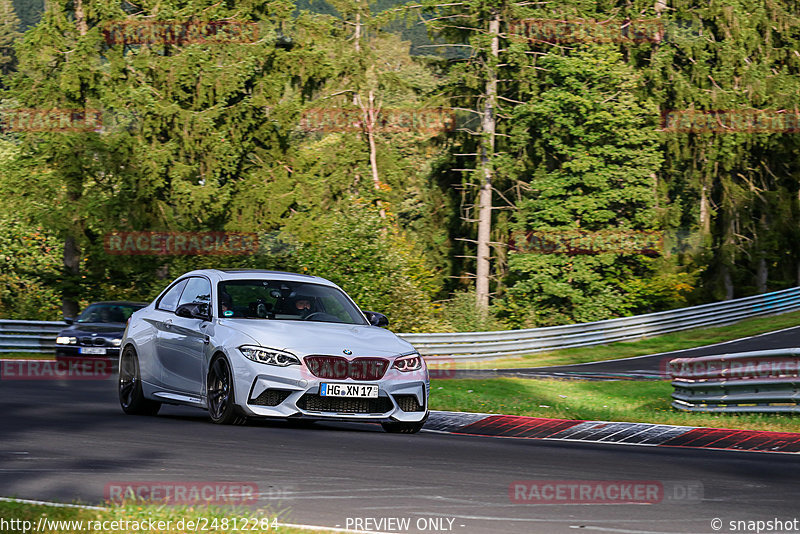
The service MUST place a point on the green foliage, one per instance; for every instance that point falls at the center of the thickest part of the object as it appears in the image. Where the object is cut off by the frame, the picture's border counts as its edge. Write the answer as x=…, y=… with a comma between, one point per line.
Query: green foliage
x=28, y=11
x=113, y=518
x=461, y=314
x=9, y=33
x=593, y=155
x=372, y=261
x=593, y=145
x=732, y=55
x=29, y=258
x=208, y=136
x=561, y=289
x=199, y=132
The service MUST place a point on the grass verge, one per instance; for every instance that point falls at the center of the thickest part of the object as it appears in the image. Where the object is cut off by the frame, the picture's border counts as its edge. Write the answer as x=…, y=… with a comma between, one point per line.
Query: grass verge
x=135, y=518
x=26, y=356
x=640, y=402
x=666, y=343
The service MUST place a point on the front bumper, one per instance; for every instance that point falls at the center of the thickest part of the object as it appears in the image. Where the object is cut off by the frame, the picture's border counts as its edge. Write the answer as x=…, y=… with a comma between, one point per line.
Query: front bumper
x=74, y=351
x=270, y=391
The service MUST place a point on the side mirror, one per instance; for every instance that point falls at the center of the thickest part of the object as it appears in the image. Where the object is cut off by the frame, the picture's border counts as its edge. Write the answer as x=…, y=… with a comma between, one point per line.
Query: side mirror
x=69, y=320
x=377, y=319
x=193, y=310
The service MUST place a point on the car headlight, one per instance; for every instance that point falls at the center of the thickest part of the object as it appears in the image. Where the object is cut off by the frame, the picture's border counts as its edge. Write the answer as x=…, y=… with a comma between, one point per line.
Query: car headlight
x=411, y=362
x=269, y=356
x=64, y=340
x=116, y=341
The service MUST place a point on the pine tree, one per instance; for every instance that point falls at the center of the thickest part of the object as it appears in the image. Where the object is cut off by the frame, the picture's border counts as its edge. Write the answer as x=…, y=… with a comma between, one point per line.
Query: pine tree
x=29, y=12
x=738, y=57
x=474, y=86
x=9, y=33
x=183, y=129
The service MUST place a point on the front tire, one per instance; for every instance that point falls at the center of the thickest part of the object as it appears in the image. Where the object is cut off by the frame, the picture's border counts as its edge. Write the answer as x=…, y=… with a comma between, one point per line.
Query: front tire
x=131, y=396
x=221, y=401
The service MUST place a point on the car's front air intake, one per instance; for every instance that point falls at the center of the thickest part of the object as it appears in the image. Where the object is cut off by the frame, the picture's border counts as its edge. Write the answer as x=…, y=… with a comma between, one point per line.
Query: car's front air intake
x=311, y=402
x=408, y=403
x=271, y=397
x=339, y=368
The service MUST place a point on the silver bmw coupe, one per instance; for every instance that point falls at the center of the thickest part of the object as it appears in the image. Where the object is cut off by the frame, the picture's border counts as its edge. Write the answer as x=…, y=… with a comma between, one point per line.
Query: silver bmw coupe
x=250, y=343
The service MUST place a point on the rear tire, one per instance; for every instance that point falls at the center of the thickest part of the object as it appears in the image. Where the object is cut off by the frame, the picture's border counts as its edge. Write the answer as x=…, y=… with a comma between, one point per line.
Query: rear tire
x=403, y=428
x=131, y=396
x=221, y=401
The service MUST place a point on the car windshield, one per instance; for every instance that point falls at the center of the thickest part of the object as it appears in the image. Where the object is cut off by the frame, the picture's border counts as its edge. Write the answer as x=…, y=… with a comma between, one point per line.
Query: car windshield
x=108, y=313
x=285, y=300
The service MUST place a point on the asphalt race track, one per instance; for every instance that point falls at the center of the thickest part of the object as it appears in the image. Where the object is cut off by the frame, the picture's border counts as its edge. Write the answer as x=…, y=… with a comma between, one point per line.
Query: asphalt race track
x=645, y=367
x=65, y=440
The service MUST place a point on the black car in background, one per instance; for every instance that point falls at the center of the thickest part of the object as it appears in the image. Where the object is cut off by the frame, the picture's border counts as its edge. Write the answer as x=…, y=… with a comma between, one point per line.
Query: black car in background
x=97, y=332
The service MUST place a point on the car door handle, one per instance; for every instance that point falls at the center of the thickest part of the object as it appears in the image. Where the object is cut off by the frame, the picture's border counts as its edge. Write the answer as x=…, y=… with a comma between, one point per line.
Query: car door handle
x=168, y=323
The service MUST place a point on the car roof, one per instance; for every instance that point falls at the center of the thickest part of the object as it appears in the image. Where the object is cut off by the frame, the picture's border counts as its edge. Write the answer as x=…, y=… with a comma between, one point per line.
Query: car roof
x=259, y=274
x=261, y=271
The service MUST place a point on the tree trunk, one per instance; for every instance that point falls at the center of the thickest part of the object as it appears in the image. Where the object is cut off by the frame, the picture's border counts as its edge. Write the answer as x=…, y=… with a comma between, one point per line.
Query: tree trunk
x=72, y=260
x=358, y=32
x=72, y=250
x=371, y=116
x=798, y=273
x=487, y=152
x=80, y=18
x=705, y=216
x=761, y=276
x=727, y=282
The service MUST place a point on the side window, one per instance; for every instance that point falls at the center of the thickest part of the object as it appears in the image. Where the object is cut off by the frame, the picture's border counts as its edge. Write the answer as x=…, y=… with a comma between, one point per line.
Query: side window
x=198, y=291
x=170, y=299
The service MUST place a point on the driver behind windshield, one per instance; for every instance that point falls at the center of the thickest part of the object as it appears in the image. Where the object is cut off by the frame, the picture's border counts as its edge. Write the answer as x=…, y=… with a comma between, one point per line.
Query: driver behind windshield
x=303, y=306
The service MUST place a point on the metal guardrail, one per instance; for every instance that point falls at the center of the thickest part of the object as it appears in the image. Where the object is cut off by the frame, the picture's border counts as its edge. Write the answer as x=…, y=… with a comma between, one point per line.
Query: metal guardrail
x=29, y=336
x=761, y=381
x=486, y=345
x=39, y=336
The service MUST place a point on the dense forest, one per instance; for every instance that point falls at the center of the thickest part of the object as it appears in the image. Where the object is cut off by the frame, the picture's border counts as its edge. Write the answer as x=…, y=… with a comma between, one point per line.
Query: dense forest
x=559, y=123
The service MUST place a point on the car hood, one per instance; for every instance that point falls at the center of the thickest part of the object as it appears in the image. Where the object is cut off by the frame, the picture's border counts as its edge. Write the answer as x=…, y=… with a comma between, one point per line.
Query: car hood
x=107, y=329
x=308, y=337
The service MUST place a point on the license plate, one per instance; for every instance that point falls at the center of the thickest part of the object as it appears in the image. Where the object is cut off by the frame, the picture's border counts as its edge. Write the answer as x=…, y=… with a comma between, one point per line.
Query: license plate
x=368, y=391
x=93, y=350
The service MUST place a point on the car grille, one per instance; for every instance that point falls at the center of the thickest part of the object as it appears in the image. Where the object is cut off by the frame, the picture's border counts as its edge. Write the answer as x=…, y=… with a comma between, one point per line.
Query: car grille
x=311, y=402
x=271, y=397
x=408, y=403
x=90, y=341
x=340, y=368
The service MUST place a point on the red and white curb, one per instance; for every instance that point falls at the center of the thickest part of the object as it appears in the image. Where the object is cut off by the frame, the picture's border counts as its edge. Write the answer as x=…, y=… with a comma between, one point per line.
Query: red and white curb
x=513, y=426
